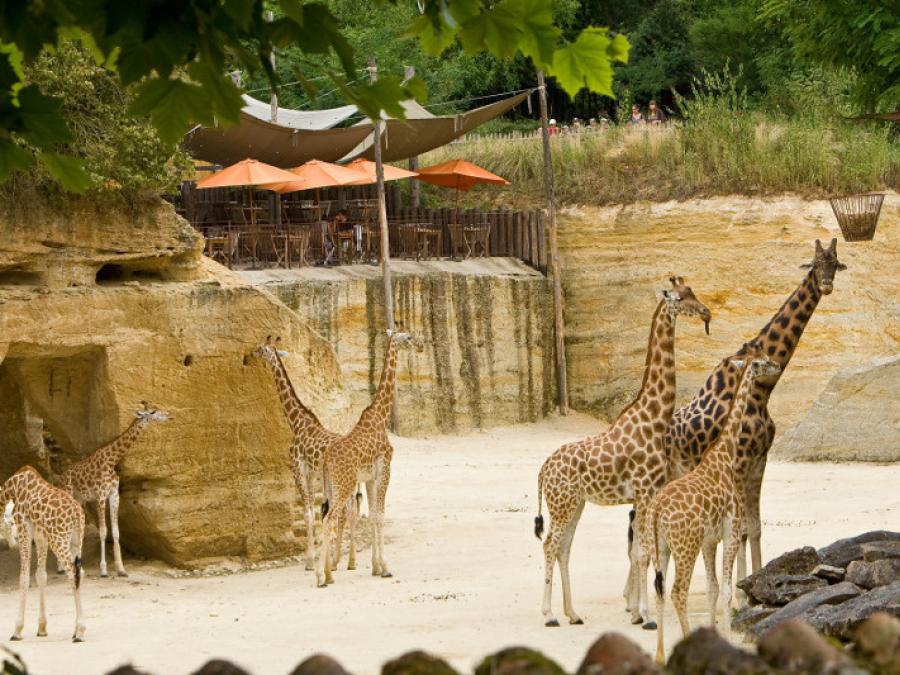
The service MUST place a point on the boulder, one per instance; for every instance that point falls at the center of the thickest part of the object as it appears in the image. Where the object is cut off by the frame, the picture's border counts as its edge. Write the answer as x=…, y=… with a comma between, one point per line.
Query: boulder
x=878, y=640
x=779, y=589
x=319, y=664
x=417, y=663
x=703, y=652
x=518, y=661
x=840, y=620
x=615, y=654
x=220, y=667
x=844, y=551
x=749, y=616
x=127, y=669
x=829, y=573
x=880, y=550
x=872, y=574
x=856, y=418
x=828, y=595
x=793, y=646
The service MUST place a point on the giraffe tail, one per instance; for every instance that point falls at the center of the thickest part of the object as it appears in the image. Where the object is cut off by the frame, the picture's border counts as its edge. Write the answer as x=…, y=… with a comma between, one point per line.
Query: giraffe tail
x=539, y=519
x=77, y=571
x=658, y=581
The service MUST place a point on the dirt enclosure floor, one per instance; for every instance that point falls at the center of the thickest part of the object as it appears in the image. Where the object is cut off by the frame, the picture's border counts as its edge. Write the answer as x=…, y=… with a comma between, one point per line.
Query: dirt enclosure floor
x=467, y=572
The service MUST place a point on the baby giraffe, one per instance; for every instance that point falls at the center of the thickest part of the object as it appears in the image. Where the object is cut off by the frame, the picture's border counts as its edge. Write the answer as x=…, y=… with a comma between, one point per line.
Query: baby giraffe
x=36, y=511
x=696, y=511
x=94, y=479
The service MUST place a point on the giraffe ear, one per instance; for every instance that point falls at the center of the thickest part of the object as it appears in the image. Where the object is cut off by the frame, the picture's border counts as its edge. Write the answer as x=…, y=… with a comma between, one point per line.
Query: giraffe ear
x=389, y=332
x=738, y=363
x=281, y=353
x=841, y=266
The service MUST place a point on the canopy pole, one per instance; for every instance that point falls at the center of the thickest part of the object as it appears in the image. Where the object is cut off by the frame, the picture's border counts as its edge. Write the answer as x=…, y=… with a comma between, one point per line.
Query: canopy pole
x=562, y=384
x=273, y=102
x=383, y=226
x=413, y=183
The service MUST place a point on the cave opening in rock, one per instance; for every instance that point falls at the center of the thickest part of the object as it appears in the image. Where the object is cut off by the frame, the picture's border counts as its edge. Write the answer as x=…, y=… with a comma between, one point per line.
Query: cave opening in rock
x=113, y=273
x=16, y=277
x=63, y=389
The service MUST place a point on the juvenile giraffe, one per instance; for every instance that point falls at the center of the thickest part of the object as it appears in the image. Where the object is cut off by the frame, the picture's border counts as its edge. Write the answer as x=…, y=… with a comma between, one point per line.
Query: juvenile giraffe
x=307, y=449
x=698, y=424
x=94, y=479
x=624, y=464
x=37, y=511
x=365, y=455
x=697, y=510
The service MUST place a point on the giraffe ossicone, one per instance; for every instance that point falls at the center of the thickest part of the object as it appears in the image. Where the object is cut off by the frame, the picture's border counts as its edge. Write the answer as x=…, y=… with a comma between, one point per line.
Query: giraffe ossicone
x=624, y=464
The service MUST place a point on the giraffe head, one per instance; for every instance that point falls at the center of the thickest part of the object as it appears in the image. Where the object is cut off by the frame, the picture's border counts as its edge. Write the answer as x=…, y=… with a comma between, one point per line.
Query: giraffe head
x=680, y=299
x=757, y=362
x=269, y=351
x=405, y=340
x=825, y=263
x=146, y=414
x=8, y=525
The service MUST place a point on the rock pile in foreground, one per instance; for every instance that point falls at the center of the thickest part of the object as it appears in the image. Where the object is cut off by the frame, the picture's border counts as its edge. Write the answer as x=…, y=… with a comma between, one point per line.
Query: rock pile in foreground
x=833, y=589
x=792, y=647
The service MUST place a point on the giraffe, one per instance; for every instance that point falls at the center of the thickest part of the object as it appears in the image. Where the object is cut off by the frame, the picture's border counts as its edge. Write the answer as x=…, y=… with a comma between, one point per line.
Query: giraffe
x=693, y=512
x=94, y=479
x=365, y=455
x=697, y=424
x=624, y=464
x=307, y=449
x=37, y=511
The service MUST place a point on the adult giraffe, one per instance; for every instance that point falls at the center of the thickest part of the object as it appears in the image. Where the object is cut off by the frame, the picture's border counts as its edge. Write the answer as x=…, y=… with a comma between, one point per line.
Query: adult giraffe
x=697, y=425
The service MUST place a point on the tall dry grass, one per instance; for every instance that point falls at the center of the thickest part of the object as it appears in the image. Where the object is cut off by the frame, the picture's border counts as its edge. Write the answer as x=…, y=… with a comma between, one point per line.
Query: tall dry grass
x=721, y=147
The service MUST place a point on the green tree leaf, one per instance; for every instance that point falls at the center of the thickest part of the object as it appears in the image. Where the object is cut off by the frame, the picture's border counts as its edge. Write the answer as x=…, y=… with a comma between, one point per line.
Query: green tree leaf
x=587, y=62
x=172, y=105
x=12, y=158
x=69, y=171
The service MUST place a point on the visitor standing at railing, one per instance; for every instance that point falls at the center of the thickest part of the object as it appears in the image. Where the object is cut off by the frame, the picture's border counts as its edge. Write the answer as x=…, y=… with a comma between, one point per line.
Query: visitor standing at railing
x=655, y=115
x=637, y=117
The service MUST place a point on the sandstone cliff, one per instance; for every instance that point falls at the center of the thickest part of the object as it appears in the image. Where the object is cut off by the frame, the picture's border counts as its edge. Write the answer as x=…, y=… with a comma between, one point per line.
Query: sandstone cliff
x=486, y=324
x=742, y=258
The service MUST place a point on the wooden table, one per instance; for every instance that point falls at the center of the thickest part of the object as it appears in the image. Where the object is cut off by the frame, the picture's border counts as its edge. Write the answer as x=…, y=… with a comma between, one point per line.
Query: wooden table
x=467, y=239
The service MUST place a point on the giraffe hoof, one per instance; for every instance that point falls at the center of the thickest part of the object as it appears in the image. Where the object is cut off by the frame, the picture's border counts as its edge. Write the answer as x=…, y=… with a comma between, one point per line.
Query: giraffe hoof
x=104, y=575
x=15, y=638
x=75, y=638
x=577, y=622
x=350, y=568
x=650, y=625
x=386, y=575
x=552, y=623
x=636, y=620
x=42, y=633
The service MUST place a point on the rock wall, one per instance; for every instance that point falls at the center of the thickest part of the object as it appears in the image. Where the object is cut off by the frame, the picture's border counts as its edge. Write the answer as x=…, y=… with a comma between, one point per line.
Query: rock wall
x=741, y=256
x=856, y=418
x=486, y=325
x=78, y=353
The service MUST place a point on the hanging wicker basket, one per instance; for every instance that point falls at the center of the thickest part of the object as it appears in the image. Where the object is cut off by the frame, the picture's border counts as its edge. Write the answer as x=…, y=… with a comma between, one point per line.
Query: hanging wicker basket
x=857, y=215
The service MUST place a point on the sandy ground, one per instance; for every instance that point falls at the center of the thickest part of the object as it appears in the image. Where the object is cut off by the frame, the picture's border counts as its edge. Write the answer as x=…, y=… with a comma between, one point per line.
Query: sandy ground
x=467, y=572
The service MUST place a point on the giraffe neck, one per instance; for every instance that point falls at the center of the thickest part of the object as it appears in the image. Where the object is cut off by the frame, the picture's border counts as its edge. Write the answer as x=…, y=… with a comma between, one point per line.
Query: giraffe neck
x=380, y=408
x=724, y=448
x=16, y=486
x=779, y=338
x=659, y=369
x=116, y=450
x=297, y=414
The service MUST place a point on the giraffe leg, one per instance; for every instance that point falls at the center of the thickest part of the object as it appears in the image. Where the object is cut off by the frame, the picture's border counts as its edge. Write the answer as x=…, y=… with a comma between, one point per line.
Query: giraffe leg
x=754, y=528
x=353, y=515
x=564, y=550
x=712, y=584
x=561, y=508
x=684, y=567
x=114, y=526
x=68, y=549
x=323, y=563
x=640, y=560
x=26, y=536
x=631, y=602
x=303, y=481
x=382, y=478
x=731, y=541
x=339, y=538
x=101, y=529
x=40, y=547
x=660, y=585
x=370, y=496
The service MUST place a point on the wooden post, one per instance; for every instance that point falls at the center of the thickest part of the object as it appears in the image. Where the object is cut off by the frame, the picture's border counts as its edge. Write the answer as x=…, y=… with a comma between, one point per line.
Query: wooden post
x=273, y=102
x=383, y=225
x=562, y=384
x=414, y=183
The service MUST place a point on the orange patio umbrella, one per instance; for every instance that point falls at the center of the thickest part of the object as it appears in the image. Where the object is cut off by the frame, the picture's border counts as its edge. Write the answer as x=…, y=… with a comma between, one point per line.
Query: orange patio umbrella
x=367, y=167
x=459, y=174
x=315, y=174
x=246, y=173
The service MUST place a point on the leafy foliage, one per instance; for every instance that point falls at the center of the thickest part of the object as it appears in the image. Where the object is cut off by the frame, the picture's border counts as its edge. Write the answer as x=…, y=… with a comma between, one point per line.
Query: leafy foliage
x=862, y=36
x=176, y=57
